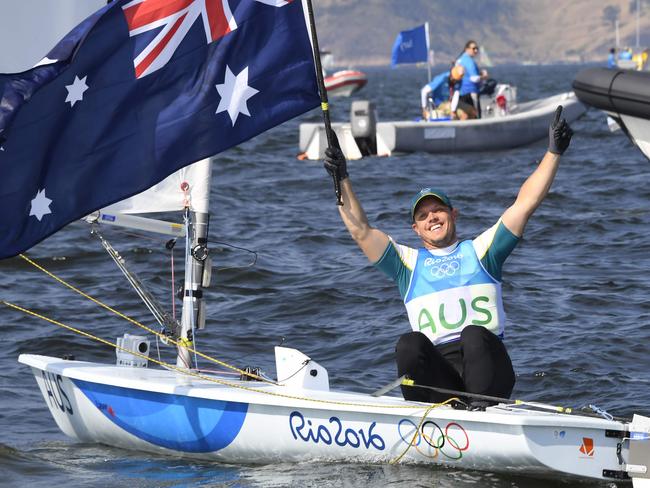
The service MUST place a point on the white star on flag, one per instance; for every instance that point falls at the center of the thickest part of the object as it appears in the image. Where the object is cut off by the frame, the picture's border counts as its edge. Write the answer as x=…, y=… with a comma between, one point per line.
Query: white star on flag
x=235, y=92
x=40, y=205
x=76, y=90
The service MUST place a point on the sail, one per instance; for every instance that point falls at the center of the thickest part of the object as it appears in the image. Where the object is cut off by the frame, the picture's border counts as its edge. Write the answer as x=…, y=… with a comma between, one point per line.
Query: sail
x=190, y=186
x=22, y=49
x=485, y=59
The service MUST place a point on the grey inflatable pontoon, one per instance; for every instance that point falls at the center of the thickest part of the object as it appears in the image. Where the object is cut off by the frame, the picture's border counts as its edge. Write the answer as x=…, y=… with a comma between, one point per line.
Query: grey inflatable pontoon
x=624, y=95
x=617, y=91
x=523, y=124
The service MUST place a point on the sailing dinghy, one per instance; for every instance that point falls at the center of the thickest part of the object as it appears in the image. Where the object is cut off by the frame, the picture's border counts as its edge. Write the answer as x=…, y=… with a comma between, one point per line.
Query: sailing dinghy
x=143, y=403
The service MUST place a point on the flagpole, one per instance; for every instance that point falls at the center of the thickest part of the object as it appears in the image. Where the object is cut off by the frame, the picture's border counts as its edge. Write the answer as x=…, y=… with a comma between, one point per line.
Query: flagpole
x=428, y=54
x=323, y=94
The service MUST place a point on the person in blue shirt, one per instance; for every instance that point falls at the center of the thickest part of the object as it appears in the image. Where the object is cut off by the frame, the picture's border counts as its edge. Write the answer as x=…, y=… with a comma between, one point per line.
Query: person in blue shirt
x=611, y=59
x=451, y=288
x=437, y=89
x=442, y=95
x=470, y=85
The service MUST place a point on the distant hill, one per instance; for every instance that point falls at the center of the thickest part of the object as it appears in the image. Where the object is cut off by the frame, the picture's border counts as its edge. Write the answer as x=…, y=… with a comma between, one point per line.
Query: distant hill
x=512, y=31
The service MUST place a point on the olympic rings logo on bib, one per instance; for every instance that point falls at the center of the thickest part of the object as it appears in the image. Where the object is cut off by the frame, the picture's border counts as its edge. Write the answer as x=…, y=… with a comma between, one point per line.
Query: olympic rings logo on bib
x=445, y=269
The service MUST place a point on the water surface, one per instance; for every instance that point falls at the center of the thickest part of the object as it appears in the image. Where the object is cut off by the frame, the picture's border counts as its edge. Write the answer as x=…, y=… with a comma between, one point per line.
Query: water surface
x=575, y=289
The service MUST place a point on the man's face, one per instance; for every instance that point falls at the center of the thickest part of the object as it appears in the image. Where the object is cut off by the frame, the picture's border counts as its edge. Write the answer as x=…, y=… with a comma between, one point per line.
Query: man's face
x=472, y=50
x=435, y=223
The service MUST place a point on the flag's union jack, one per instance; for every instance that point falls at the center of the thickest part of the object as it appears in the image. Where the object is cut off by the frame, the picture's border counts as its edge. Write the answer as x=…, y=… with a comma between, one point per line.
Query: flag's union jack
x=174, y=18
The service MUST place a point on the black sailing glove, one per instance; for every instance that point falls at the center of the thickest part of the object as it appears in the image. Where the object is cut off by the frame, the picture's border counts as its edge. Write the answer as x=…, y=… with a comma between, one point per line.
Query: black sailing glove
x=559, y=133
x=334, y=161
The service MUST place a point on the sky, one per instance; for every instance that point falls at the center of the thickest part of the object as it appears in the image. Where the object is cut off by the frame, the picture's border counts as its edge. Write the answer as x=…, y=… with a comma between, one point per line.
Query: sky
x=30, y=28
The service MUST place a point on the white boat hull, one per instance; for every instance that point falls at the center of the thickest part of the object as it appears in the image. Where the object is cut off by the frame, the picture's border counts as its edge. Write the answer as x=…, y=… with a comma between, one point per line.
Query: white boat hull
x=251, y=422
x=636, y=128
x=526, y=124
x=345, y=83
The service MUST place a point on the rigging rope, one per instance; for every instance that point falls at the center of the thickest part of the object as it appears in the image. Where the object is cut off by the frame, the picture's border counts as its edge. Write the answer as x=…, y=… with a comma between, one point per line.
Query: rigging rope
x=416, y=434
x=142, y=326
x=181, y=343
x=184, y=371
x=150, y=302
x=249, y=265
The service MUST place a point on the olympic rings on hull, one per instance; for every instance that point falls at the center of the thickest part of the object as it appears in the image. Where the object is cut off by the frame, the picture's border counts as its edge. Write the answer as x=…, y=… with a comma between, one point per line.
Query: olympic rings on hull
x=432, y=440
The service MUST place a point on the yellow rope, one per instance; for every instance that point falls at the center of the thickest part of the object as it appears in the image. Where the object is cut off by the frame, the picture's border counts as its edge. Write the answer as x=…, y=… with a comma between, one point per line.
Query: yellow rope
x=416, y=434
x=183, y=342
x=208, y=378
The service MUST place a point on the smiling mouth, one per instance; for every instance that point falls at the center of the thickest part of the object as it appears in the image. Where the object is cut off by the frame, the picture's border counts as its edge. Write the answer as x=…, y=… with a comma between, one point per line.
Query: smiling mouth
x=435, y=227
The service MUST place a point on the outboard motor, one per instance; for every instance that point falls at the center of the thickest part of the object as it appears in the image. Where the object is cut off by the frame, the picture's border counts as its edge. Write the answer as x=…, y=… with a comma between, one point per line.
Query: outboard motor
x=363, y=122
x=487, y=87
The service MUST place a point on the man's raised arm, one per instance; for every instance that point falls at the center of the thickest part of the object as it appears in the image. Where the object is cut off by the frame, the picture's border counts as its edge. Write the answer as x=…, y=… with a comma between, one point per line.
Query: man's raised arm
x=372, y=242
x=537, y=185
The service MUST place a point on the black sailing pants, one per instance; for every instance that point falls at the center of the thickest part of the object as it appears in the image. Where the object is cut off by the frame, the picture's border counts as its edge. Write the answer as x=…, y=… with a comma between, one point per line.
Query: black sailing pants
x=477, y=363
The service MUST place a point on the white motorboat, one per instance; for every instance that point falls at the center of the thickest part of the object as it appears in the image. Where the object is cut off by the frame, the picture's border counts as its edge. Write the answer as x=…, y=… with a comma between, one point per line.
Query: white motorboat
x=344, y=83
x=503, y=126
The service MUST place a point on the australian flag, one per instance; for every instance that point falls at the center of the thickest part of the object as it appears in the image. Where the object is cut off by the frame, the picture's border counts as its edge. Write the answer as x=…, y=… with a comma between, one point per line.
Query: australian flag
x=135, y=92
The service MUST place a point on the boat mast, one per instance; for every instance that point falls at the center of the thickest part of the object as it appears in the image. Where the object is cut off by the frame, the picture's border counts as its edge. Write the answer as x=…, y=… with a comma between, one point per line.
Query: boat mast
x=198, y=265
x=193, y=314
